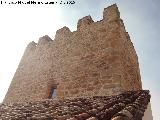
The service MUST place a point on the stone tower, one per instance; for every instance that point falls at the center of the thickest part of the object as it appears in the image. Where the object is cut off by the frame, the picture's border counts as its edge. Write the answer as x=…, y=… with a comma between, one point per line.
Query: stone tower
x=96, y=59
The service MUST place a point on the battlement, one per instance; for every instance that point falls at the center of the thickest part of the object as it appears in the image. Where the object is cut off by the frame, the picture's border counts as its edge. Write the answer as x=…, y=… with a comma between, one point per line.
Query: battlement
x=32, y=45
x=84, y=22
x=111, y=13
x=97, y=59
x=65, y=31
x=43, y=40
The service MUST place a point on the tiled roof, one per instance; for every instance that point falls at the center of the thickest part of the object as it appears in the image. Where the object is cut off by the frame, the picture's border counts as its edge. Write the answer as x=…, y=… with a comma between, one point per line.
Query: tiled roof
x=126, y=106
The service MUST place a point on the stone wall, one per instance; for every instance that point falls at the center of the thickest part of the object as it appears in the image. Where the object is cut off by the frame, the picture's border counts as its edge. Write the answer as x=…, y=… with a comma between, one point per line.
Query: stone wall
x=96, y=59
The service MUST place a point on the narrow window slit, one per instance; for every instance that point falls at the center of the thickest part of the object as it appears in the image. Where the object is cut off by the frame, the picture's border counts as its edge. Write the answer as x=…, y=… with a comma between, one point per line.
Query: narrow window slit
x=53, y=92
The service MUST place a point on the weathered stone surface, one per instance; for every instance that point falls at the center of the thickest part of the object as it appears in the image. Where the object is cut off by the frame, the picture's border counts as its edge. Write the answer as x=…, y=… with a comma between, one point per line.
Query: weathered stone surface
x=96, y=59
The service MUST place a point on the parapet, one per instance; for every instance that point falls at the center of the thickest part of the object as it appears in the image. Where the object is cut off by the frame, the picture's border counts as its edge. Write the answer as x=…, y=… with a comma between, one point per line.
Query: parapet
x=32, y=45
x=62, y=32
x=85, y=21
x=111, y=13
x=43, y=40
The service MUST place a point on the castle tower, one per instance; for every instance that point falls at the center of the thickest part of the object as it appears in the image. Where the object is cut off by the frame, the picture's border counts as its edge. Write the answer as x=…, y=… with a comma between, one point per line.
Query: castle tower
x=96, y=59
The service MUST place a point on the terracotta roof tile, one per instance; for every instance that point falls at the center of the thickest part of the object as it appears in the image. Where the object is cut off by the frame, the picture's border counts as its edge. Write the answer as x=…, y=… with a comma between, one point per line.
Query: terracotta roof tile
x=126, y=106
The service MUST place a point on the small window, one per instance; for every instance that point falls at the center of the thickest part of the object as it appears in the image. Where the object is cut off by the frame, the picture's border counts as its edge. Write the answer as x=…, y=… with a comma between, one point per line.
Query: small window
x=52, y=92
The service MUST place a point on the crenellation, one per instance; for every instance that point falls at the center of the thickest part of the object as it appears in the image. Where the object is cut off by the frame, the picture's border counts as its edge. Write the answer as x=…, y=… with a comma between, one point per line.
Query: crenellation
x=65, y=31
x=96, y=59
x=62, y=37
x=111, y=13
x=84, y=22
x=31, y=46
x=43, y=40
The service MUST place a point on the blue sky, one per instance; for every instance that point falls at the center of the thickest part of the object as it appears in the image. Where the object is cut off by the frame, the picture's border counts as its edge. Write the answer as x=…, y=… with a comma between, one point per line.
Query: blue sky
x=21, y=24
